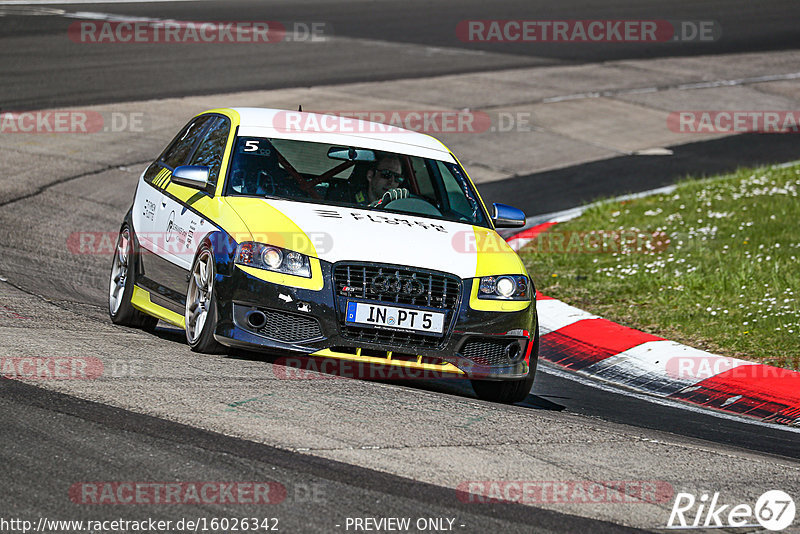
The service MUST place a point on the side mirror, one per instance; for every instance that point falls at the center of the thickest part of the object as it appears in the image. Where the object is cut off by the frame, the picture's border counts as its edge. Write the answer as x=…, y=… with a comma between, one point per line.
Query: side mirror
x=194, y=176
x=507, y=216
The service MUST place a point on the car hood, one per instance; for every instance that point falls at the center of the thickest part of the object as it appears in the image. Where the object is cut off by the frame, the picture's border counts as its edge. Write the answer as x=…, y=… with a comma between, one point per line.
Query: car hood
x=333, y=234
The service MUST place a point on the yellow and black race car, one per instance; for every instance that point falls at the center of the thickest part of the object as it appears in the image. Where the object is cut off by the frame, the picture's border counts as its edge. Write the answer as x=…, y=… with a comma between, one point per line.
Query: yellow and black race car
x=327, y=236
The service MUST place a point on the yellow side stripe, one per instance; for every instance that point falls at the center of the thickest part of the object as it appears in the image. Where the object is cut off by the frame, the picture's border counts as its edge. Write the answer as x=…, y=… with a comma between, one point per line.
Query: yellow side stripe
x=162, y=178
x=141, y=301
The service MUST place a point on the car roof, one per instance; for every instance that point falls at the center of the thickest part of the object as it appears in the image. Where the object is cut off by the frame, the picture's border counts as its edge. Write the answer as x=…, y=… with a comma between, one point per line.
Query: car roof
x=338, y=129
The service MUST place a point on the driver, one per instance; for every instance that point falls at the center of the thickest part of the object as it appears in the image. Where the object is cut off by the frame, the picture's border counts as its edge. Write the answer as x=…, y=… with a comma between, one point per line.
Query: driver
x=383, y=181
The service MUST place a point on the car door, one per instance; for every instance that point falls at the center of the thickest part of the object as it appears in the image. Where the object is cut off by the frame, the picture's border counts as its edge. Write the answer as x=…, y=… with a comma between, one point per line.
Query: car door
x=182, y=219
x=158, y=271
x=186, y=224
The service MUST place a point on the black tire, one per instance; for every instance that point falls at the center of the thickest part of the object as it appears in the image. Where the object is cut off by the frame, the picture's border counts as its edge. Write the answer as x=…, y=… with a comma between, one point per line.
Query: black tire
x=509, y=391
x=123, y=275
x=203, y=340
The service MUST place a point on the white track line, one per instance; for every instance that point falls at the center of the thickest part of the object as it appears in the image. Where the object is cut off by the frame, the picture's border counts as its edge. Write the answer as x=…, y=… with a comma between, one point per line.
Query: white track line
x=79, y=2
x=679, y=87
x=551, y=369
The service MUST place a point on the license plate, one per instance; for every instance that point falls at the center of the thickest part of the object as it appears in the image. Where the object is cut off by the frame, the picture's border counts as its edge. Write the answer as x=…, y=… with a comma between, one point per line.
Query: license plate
x=392, y=317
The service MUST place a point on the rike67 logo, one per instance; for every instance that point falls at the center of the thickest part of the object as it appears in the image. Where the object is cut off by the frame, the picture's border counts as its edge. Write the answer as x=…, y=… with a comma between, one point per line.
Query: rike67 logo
x=774, y=510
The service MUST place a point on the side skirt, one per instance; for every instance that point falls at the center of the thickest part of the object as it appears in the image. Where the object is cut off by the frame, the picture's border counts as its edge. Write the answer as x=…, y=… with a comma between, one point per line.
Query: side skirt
x=141, y=301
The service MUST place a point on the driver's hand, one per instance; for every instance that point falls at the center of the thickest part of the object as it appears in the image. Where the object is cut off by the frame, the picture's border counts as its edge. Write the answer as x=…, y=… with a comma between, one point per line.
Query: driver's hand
x=391, y=195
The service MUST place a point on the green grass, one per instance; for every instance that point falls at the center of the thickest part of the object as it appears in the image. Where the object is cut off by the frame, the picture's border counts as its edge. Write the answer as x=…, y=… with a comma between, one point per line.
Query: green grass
x=713, y=265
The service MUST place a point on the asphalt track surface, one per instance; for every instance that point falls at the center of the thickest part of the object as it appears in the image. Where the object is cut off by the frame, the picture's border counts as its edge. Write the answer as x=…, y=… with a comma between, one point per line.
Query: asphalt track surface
x=43, y=69
x=50, y=441
x=320, y=494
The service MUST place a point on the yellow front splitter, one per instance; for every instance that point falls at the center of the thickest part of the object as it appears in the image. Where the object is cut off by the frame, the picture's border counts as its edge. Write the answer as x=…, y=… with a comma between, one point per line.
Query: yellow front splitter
x=398, y=368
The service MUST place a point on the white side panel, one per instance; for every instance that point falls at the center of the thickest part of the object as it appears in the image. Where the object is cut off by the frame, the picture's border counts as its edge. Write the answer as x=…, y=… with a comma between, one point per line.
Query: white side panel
x=145, y=208
x=178, y=231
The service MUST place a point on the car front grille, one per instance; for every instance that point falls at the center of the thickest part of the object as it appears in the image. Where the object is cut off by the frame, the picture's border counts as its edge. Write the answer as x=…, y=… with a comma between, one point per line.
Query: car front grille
x=289, y=327
x=380, y=282
x=395, y=285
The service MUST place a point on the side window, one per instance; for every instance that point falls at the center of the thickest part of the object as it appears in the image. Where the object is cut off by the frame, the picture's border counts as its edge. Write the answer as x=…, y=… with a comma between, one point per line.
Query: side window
x=423, y=177
x=212, y=147
x=180, y=149
x=458, y=196
x=151, y=172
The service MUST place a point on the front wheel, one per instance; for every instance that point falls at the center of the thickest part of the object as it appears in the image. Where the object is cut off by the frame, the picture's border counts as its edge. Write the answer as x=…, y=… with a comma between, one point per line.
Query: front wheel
x=509, y=391
x=201, y=306
x=120, y=290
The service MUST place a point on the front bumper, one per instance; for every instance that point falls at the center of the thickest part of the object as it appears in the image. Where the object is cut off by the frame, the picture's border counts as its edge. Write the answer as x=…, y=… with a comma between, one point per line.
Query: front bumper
x=477, y=344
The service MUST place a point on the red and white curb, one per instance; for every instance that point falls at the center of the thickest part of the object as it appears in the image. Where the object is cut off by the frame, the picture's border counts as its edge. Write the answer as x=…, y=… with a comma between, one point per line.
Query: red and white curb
x=603, y=350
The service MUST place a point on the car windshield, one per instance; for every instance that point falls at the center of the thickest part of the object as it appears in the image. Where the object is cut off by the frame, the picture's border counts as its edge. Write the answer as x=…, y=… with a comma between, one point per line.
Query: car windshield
x=354, y=177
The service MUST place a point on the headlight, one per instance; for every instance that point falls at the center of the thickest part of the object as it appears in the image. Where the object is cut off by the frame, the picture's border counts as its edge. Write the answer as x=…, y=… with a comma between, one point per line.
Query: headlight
x=506, y=287
x=273, y=258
